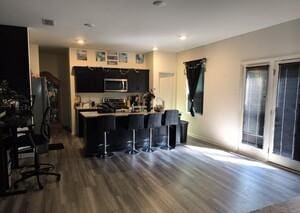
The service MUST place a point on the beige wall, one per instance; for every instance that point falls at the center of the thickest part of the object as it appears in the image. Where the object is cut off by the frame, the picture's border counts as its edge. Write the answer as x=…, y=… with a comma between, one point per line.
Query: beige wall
x=34, y=60
x=150, y=65
x=162, y=62
x=50, y=62
x=221, y=121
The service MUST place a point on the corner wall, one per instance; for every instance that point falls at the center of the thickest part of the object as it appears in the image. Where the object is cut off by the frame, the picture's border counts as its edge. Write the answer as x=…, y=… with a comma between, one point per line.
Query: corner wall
x=222, y=118
x=34, y=63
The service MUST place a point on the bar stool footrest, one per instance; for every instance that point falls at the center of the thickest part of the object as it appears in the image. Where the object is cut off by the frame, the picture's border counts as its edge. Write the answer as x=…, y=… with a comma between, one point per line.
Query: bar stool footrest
x=132, y=151
x=148, y=149
x=166, y=147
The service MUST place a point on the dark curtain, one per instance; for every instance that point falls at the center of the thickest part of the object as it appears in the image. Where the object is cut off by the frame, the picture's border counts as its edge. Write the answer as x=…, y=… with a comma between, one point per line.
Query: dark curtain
x=193, y=72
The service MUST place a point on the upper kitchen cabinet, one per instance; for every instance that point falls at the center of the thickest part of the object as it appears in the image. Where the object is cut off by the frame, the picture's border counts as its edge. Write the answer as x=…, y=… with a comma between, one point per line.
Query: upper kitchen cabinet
x=91, y=79
x=88, y=79
x=115, y=73
x=138, y=81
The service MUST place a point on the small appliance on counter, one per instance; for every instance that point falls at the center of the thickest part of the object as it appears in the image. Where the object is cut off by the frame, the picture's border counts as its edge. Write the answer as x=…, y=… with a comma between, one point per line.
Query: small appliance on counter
x=110, y=105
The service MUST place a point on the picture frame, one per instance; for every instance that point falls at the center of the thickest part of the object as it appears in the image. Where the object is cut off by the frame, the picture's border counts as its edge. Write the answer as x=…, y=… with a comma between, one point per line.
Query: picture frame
x=81, y=55
x=140, y=58
x=112, y=62
x=100, y=56
x=112, y=58
x=123, y=57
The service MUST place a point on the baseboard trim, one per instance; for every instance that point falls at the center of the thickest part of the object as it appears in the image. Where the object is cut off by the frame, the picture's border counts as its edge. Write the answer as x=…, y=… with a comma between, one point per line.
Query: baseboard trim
x=213, y=142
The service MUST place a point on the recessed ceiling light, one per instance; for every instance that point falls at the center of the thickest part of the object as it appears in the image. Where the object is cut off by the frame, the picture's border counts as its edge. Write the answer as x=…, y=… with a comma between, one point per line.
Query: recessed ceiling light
x=155, y=48
x=159, y=3
x=90, y=25
x=80, y=41
x=182, y=37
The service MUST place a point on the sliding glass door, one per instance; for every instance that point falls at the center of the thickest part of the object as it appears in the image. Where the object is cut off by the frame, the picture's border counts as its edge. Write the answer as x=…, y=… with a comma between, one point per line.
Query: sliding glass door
x=254, y=108
x=285, y=144
x=271, y=113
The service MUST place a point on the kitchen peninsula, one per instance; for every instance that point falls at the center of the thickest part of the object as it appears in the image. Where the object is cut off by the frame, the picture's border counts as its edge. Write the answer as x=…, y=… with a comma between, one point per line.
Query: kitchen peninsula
x=119, y=138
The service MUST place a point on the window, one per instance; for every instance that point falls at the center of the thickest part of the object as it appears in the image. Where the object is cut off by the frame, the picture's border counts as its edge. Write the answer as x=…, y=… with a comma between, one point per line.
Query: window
x=198, y=98
x=195, y=83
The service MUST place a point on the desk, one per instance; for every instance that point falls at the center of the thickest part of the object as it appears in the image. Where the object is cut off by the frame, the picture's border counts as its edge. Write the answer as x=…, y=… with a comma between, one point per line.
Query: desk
x=12, y=123
x=8, y=151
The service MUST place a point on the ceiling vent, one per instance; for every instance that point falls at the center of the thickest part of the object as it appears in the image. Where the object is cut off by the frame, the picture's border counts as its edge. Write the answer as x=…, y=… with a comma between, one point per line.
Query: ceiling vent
x=48, y=22
x=159, y=3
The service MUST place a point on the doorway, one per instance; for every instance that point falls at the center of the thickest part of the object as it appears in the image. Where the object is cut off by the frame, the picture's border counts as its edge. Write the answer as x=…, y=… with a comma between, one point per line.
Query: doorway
x=167, y=89
x=54, y=66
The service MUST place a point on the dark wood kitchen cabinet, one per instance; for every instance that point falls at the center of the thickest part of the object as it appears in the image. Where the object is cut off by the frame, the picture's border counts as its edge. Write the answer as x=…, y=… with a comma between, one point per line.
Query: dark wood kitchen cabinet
x=115, y=73
x=88, y=79
x=91, y=79
x=138, y=81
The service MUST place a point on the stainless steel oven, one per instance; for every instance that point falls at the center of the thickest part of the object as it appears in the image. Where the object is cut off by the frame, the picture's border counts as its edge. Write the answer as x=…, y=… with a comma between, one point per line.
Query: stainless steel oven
x=115, y=85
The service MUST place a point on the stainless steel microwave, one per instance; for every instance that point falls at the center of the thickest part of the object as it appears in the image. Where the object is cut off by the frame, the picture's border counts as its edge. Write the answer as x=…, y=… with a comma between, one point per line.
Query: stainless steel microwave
x=115, y=85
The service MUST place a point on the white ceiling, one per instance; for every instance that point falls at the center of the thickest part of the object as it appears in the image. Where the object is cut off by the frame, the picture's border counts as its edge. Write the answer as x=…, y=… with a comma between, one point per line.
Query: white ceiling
x=136, y=25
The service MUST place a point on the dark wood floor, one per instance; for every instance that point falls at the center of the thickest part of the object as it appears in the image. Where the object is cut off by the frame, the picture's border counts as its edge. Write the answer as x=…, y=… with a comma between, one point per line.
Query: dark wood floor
x=187, y=179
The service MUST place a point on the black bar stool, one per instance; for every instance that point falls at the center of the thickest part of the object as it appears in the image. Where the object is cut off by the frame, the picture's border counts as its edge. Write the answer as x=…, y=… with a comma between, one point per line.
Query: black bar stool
x=154, y=121
x=135, y=122
x=106, y=123
x=170, y=118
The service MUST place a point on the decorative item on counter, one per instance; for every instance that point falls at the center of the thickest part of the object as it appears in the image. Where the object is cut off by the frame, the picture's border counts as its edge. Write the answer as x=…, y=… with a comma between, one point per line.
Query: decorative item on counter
x=159, y=105
x=134, y=100
x=77, y=100
x=148, y=98
x=82, y=55
x=86, y=105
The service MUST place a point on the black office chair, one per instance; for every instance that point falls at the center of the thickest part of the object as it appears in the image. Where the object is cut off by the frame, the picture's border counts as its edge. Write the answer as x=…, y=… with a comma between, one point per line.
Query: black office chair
x=106, y=124
x=135, y=122
x=39, y=144
x=170, y=118
x=154, y=121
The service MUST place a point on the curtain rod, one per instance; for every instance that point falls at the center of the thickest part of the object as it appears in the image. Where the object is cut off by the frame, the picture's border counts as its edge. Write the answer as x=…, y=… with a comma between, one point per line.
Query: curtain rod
x=202, y=60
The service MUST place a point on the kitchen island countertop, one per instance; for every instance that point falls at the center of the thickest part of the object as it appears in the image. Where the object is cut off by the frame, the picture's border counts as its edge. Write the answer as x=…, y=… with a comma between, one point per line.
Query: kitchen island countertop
x=118, y=114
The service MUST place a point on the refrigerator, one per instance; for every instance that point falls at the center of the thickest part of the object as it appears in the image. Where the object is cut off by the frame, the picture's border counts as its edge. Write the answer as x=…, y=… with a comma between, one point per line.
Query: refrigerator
x=41, y=101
